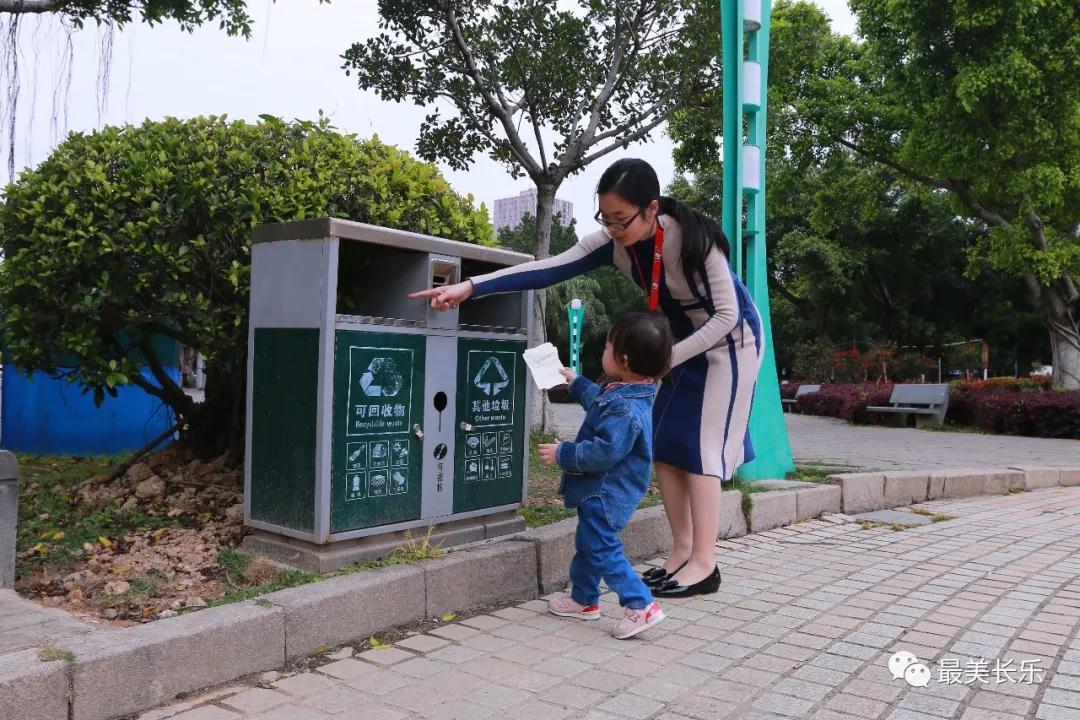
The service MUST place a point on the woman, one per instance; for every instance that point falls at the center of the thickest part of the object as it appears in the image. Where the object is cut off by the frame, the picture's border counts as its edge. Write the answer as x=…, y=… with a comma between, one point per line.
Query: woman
x=702, y=409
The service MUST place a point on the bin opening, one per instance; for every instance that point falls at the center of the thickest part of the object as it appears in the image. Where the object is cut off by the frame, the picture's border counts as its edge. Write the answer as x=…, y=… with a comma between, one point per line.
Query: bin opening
x=504, y=313
x=443, y=272
x=373, y=281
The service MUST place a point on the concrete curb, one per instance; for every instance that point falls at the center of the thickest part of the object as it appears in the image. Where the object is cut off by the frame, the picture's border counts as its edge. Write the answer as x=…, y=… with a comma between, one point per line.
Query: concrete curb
x=866, y=492
x=31, y=689
x=118, y=672
x=327, y=613
x=9, y=516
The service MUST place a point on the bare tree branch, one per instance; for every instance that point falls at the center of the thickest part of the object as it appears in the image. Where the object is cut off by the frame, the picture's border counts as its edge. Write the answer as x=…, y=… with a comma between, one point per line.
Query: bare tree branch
x=500, y=111
x=889, y=162
x=636, y=120
x=586, y=138
x=636, y=135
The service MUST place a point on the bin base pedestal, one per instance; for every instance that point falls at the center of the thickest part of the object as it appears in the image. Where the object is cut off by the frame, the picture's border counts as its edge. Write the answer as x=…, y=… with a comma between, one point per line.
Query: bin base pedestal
x=304, y=555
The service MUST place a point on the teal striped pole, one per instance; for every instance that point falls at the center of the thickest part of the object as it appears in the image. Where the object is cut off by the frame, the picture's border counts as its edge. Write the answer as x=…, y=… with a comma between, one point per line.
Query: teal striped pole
x=575, y=312
x=746, y=22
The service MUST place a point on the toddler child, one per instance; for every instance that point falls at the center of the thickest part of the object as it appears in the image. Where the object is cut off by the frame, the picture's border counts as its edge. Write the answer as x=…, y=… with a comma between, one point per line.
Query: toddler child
x=607, y=468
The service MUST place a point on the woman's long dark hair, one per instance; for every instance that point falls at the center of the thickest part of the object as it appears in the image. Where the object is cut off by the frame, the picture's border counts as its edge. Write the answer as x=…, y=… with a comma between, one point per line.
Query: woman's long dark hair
x=635, y=182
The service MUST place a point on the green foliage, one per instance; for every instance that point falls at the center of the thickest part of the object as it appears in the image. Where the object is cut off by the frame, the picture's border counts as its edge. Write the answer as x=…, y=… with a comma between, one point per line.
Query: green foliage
x=984, y=102
x=231, y=15
x=133, y=232
x=522, y=237
x=585, y=78
x=541, y=60
x=859, y=250
x=978, y=101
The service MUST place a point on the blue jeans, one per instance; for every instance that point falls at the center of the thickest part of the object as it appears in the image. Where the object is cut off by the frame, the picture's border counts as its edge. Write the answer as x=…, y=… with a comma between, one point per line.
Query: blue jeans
x=600, y=555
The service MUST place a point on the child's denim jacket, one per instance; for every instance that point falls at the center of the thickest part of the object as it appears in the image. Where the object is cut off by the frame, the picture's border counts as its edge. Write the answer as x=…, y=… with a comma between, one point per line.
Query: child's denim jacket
x=612, y=456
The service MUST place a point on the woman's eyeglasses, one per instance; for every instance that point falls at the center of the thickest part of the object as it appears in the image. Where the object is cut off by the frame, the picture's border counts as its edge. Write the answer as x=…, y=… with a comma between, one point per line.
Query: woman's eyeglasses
x=615, y=223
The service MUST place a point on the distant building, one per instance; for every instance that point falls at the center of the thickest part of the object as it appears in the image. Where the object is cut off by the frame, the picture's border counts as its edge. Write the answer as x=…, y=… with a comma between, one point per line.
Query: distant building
x=509, y=211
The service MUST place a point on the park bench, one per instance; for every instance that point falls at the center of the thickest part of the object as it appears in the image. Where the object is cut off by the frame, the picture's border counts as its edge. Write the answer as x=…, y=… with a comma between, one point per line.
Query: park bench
x=789, y=403
x=927, y=403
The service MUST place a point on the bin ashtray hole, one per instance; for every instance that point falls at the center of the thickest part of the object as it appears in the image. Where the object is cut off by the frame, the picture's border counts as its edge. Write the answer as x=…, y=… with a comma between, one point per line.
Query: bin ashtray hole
x=440, y=405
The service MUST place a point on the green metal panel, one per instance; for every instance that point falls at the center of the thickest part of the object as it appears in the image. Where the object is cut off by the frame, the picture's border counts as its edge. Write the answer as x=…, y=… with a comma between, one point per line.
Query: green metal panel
x=285, y=383
x=378, y=397
x=491, y=398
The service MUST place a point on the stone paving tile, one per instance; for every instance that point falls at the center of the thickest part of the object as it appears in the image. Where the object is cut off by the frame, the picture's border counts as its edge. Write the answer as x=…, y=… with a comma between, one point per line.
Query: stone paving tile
x=803, y=628
x=208, y=712
x=422, y=643
x=254, y=700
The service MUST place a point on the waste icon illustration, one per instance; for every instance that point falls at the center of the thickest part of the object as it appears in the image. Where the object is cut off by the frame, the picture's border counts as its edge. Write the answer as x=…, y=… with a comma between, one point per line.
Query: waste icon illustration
x=377, y=485
x=399, y=452
x=398, y=484
x=382, y=378
x=492, y=377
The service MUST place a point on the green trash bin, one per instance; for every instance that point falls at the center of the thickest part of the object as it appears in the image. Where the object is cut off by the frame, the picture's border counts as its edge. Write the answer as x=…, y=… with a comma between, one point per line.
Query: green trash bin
x=370, y=415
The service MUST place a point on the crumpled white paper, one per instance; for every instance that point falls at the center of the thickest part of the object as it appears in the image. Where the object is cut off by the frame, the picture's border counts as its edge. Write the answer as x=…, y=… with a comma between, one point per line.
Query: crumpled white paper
x=544, y=365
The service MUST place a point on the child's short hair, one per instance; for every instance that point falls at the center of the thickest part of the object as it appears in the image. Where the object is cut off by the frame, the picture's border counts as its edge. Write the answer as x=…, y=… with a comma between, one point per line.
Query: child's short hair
x=645, y=339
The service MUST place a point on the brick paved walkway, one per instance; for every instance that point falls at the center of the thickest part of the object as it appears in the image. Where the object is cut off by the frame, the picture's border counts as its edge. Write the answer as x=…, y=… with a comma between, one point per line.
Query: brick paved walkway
x=803, y=627
x=828, y=441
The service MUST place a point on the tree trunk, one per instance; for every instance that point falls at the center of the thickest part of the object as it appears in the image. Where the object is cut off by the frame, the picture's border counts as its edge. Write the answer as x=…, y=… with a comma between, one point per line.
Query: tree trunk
x=217, y=424
x=543, y=417
x=1062, y=316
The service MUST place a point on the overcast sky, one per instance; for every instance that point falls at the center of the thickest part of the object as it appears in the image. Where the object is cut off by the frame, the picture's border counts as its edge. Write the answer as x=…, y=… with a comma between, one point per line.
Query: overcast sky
x=291, y=67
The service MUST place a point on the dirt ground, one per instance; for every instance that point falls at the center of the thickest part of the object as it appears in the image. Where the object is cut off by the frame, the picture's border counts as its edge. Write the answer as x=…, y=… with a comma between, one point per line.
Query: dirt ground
x=161, y=539
x=191, y=511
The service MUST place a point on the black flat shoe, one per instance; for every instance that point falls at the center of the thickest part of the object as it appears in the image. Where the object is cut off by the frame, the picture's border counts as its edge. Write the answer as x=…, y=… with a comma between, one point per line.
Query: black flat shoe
x=655, y=576
x=671, y=588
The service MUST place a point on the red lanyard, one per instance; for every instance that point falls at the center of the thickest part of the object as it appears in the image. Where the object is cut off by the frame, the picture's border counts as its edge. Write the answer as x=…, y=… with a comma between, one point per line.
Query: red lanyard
x=657, y=265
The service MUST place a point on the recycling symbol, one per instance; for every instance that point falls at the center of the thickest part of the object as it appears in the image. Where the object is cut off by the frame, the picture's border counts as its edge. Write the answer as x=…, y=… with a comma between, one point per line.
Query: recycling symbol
x=492, y=377
x=381, y=379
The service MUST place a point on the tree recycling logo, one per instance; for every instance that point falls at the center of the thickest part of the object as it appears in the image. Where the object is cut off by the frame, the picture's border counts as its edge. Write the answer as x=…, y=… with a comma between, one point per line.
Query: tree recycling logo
x=491, y=378
x=382, y=378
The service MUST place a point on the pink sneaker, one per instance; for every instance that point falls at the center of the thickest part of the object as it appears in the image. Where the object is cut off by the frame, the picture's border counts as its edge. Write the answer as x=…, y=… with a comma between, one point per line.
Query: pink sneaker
x=565, y=606
x=637, y=621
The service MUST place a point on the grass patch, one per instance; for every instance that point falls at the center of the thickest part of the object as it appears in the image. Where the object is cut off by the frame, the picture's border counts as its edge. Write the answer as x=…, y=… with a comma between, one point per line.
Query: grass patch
x=895, y=526
x=247, y=577
x=545, y=515
x=814, y=473
x=747, y=487
x=934, y=517
x=140, y=589
x=54, y=522
x=950, y=428
x=250, y=577
x=51, y=653
x=412, y=550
